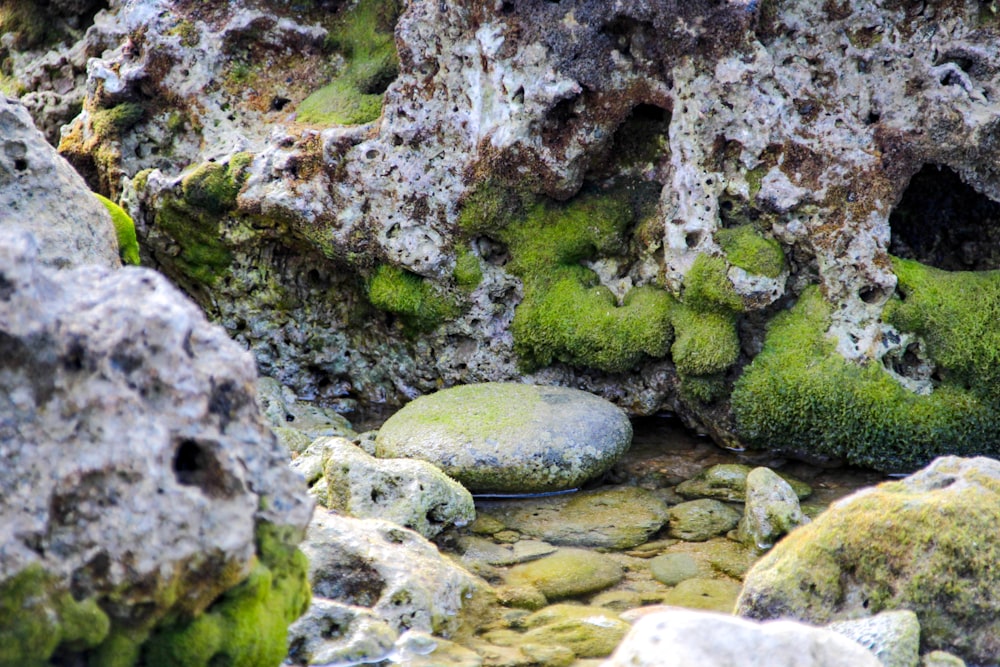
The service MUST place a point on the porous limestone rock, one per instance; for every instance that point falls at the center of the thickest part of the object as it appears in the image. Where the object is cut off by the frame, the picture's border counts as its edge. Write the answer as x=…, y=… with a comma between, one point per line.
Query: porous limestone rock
x=40, y=192
x=892, y=636
x=411, y=493
x=510, y=438
x=392, y=571
x=140, y=482
x=771, y=510
x=298, y=423
x=678, y=638
x=332, y=632
x=906, y=544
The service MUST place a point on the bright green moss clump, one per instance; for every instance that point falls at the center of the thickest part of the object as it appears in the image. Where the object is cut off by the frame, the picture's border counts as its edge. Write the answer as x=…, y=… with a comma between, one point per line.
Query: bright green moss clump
x=365, y=38
x=747, y=249
x=110, y=123
x=37, y=617
x=417, y=302
x=800, y=395
x=128, y=245
x=248, y=625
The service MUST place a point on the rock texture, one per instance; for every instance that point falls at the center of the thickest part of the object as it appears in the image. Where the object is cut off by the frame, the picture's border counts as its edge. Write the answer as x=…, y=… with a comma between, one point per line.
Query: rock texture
x=139, y=479
x=771, y=511
x=682, y=637
x=901, y=545
x=509, y=438
x=40, y=192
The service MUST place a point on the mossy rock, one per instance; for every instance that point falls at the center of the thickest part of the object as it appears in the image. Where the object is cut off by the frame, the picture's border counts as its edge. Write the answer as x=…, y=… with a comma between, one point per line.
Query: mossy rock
x=927, y=543
x=589, y=632
x=421, y=305
x=673, y=568
x=509, y=438
x=799, y=395
x=699, y=520
x=708, y=594
x=567, y=573
x=128, y=244
x=728, y=482
x=746, y=248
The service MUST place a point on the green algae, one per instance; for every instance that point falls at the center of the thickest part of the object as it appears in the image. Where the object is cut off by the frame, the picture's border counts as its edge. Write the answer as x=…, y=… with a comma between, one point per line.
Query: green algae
x=420, y=305
x=365, y=38
x=128, y=245
x=751, y=251
x=799, y=395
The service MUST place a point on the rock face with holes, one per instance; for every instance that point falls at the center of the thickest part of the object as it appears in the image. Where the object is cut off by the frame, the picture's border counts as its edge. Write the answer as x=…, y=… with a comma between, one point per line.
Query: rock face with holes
x=901, y=545
x=706, y=165
x=39, y=191
x=139, y=479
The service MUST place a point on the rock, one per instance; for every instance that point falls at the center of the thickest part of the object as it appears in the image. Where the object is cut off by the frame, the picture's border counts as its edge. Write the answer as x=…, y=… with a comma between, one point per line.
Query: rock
x=334, y=633
x=418, y=649
x=708, y=594
x=892, y=636
x=286, y=412
x=771, y=511
x=699, y=520
x=672, y=569
x=589, y=632
x=941, y=659
x=728, y=481
x=567, y=573
x=411, y=493
x=393, y=571
x=475, y=548
x=586, y=518
x=40, y=193
x=715, y=640
x=509, y=438
x=139, y=480
x=901, y=545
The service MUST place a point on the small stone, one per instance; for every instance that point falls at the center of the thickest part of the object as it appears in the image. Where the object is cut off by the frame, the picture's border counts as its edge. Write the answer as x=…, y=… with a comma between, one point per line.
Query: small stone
x=526, y=550
x=672, y=569
x=486, y=525
x=589, y=632
x=508, y=437
x=617, y=601
x=707, y=594
x=549, y=656
x=521, y=597
x=728, y=482
x=507, y=536
x=941, y=659
x=772, y=510
x=698, y=520
x=567, y=573
x=893, y=636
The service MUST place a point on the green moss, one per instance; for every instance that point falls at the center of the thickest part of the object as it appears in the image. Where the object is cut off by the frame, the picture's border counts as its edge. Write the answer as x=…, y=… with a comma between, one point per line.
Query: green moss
x=128, y=245
x=38, y=616
x=490, y=206
x=755, y=177
x=799, y=395
x=141, y=179
x=703, y=389
x=365, y=39
x=28, y=24
x=468, y=272
x=420, y=305
x=247, y=626
x=203, y=256
x=213, y=187
x=707, y=287
x=752, y=252
x=110, y=123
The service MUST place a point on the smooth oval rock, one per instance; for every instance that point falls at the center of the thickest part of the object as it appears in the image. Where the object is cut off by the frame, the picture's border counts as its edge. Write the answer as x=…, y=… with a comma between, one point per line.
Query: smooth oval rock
x=509, y=438
x=567, y=573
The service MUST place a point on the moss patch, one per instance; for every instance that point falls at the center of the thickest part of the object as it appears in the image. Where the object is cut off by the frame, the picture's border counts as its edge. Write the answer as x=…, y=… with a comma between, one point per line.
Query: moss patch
x=29, y=25
x=752, y=252
x=365, y=38
x=420, y=305
x=799, y=395
x=37, y=616
x=128, y=245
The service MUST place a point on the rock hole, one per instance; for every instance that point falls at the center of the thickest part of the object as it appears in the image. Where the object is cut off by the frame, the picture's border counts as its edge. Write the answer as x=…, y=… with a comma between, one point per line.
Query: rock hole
x=942, y=222
x=872, y=118
x=351, y=581
x=692, y=239
x=871, y=294
x=195, y=465
x=278, y=103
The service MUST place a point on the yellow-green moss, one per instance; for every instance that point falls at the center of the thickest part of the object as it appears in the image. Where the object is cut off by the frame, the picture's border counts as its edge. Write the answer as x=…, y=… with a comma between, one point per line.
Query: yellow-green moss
x=38, y=616
x=128, y=245
x=798, y=394
x=365, y=38
x=420, y=305
x=746, y=248
x=468, y=272
x=708, y=288
x=213, y=187
x=110, y=123
x=28, y=24
x=490, y=206
x=247, y=626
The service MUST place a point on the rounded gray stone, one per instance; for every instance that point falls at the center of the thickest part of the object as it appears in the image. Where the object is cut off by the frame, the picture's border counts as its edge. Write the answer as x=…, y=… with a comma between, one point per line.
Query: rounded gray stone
x=509, y=438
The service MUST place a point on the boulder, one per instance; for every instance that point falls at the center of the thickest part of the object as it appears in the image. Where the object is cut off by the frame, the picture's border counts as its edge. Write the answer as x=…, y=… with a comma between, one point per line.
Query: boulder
x=391, y=570
x=141, y=488
x=509, y=438
x=680, y=638
x=587, y=518
x=771, y=510
x=907, y=544
x=40, y=192
x=411, y=493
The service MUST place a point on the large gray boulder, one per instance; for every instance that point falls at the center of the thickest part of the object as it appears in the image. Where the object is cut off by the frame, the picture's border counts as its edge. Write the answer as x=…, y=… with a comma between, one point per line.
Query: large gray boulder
x=40, y=191
x=508, y=437
x=681, y=637
x=927, y=543
x=139, y=481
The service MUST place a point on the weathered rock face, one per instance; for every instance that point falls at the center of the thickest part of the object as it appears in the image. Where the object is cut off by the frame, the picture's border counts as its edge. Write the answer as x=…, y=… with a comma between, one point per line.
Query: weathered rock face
x=139, y=480
x=40, y=192
x=617, y=199
x=902, y=545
